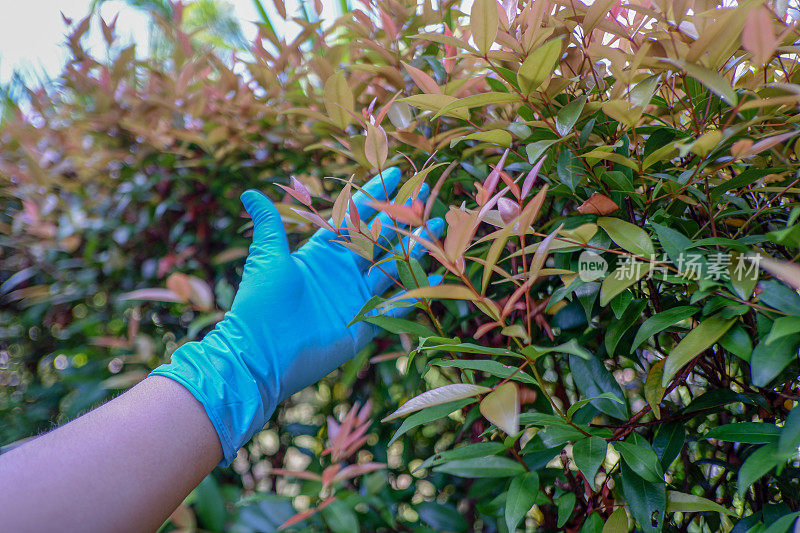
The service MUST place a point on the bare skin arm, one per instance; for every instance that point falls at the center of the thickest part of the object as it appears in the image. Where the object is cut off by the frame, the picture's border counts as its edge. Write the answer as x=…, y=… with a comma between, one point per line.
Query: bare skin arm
x=124, y=466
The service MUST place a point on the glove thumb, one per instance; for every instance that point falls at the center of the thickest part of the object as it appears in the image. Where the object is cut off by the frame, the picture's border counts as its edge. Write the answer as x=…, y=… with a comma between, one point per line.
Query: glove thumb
x=268, y=230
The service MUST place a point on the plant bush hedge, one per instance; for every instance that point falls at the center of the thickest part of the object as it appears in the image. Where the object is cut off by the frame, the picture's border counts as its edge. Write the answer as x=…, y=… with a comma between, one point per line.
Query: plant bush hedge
x=655, y=139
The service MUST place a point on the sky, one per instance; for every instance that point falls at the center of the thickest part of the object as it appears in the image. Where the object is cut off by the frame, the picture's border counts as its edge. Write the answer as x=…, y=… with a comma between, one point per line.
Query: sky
x=32, y=31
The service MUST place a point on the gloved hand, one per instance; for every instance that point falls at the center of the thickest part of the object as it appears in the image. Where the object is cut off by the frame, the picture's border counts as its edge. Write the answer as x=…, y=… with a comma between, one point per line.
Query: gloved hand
x=287, y=327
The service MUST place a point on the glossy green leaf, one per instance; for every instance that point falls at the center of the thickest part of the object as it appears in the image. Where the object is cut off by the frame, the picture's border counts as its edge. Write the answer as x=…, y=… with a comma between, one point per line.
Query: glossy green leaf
x=716, y=83
x=769, y=360
x=641, y=459
x=589, y=454
x=789, y=440
x=629, y=237
x=340, y=517
x=499, y=137
x=535, y=150
x=520, y=498
x=441, y=517
x=748, y=432
x=782, y=327
x=469, y=451
x=428, y=415
x=570, y=169
x=492, y=466
x=483, y=23
x=617, y=522
x=538, y=66
x=568, y=115
x=668, y=442
x=593, y=379
x=565, y=505
x=757, y=465
x=623, y=323
x=647, y=500
x=689, y=503
x=622, y=278
x=698, y=339
x=661, y=321
x=653, y=389
x=580, y=403
x=495, y=368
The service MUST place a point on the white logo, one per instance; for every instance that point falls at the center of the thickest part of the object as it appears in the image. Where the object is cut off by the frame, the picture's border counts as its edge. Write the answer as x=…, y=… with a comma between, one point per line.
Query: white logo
x=591, y=266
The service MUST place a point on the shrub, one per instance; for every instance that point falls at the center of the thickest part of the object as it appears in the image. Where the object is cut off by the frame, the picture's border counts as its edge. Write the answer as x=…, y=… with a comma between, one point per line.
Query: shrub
x=655, y=139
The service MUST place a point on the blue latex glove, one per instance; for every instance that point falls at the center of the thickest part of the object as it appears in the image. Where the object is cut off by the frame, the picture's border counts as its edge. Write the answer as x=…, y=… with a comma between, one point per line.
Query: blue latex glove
x=287, y=327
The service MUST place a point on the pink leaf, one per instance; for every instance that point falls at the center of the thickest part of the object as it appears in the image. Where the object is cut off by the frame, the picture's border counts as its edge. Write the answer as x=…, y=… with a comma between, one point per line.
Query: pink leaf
x=530, y=179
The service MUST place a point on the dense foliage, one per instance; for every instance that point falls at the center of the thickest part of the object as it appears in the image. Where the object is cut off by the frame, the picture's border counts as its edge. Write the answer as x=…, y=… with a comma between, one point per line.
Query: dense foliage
x=654, y=139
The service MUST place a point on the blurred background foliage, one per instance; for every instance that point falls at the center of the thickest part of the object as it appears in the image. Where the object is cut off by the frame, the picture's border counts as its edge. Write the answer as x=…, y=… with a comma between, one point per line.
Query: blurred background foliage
x=122, y=237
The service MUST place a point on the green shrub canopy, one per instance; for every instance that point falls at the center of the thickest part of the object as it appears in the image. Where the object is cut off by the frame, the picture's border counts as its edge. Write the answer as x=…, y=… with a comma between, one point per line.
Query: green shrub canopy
x=616, y=338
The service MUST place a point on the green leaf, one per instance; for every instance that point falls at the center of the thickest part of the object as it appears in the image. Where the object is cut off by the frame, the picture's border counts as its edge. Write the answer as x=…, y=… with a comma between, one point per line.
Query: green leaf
x=629, y=237
x=689, y=503
x=697, y=340
x=717, y=398
x=622, y=278
x=713, y=81
x=499, y=137
x=673, y=242
x=428, y=415
x=535, y=149
x=492, y=466
x=737, y=341
x=790, y=434
x=593, y=379
x=565, y=505
x=668, y=442
x=441, y=517
x=483, y=23
x=495, y=368
x=641, y=459
x=769, y=360
x=782, y=327
x=340, y=517
x=589, y=454
x=661, y=321
x=776, y=294
x=467, y=347
x=477, y=100
x=469, y=451
x=399, y=325
x=757, y=465
x=570, y=169
x=568, y=115
x=782, y=524
x=521, y=497
x=653, y=389
x=748, y=432
x=617, y=522
x=439, y=395
x=647, y=500
x=210, y=505
x=501, y=408
x=404, y=193
x=580, y=403
x=618, y=328
x=538, y=66
x=570, y=347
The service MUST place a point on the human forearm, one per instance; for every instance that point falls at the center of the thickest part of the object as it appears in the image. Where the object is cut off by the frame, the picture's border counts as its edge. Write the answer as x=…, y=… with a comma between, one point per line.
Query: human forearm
x=122, y=467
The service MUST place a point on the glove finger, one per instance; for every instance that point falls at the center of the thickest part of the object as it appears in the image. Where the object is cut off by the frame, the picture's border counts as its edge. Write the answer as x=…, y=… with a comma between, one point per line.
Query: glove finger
x=389, y=229
x=378, y=188
x=268, y=229
x=399, y=312
x=380, y=279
